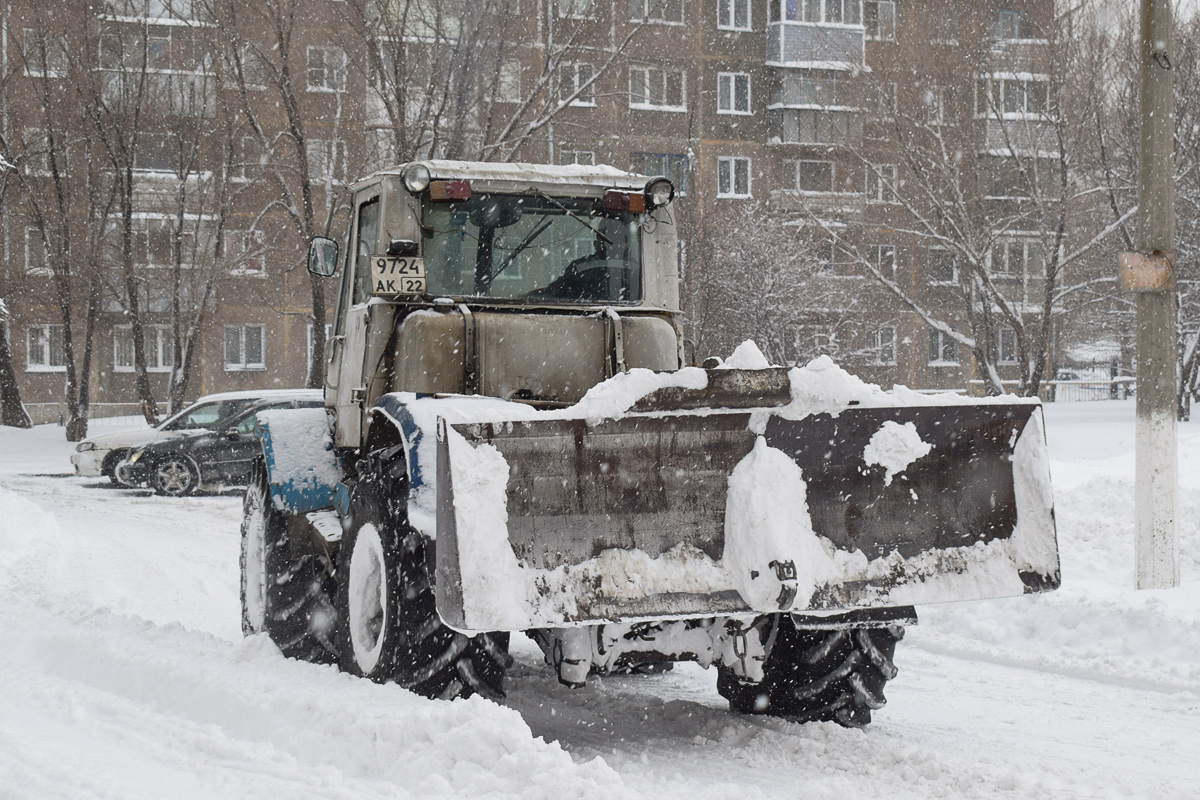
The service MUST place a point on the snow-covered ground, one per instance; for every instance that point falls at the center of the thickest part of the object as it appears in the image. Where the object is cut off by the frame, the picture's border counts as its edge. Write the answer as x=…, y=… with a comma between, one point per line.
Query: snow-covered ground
x=123, y=674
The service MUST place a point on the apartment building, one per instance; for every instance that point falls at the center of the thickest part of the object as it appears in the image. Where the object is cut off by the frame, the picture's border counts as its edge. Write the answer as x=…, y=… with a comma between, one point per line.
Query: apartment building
x=245, y=140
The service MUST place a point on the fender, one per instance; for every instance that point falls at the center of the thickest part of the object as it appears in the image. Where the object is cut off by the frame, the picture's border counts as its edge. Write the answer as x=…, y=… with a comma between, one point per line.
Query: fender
x=302, y=470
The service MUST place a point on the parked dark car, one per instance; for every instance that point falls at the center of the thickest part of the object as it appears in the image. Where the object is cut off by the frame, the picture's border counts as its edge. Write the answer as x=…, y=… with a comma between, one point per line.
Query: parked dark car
x=220, y=455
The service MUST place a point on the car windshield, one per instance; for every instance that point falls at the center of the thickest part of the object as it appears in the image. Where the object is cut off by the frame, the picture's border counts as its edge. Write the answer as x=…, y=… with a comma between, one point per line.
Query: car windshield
x=533, y=248
x=205, y=415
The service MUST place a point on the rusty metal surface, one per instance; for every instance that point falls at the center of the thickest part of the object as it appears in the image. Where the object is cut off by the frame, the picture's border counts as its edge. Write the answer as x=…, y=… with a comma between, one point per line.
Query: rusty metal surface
x=727, y=388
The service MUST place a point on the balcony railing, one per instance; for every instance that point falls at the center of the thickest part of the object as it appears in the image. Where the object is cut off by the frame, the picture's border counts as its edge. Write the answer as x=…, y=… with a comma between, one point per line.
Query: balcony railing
x=806, y=44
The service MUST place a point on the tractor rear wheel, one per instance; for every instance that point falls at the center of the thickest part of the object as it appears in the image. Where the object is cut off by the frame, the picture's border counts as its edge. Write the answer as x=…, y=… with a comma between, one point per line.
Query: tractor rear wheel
x=390, y=630
x=286, y=593
x=814, y=674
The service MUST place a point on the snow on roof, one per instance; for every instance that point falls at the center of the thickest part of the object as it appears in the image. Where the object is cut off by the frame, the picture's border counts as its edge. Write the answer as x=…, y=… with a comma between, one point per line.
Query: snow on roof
x=591, y=175
x=265, y=394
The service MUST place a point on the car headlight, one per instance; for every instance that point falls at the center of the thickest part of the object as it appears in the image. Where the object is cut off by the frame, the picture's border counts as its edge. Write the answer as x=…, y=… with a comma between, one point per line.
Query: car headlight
x=133, y=458
x=416, y=178
x=83, y=447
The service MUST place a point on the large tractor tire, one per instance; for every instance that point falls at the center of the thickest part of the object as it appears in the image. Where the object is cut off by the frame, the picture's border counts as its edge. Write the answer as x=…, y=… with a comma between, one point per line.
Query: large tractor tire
x=286, y=593
x=813, y=675
x=390, y=630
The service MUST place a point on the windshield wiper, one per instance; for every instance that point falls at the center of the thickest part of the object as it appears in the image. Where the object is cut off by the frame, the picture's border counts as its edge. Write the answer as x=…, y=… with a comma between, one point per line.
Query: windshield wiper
x=528, y=240
x=575, y=216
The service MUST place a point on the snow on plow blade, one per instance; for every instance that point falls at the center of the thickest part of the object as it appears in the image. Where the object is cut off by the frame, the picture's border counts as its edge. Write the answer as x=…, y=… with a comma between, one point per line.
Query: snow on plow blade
x=701, y=512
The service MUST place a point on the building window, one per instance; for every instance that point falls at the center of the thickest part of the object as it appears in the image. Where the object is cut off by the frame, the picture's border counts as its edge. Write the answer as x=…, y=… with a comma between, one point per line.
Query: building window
x=156, y=152
x=37, y=260
x=248, y=166
x=326, y=159
x=943, y=267
x=733, y=15
x=577, y=78
x=1009, y=25
x=43, y=56
x=733, y=177
x=670, y=165
x=254, y=66
x=245, y=347
x=883, y=344
x=1016, y=258
x=881, y=98
x=577, y=9
x=668, y=11
x=584, y=157
x=1006, y=346
x=1011, y=97
x=879, y=18
x=653, y=88
x=883, y=259
x=943, y=350
x=815, y=126
x=244, y=252
x=309, y=332
x=828, y=12
x=508, y=82
x=733, y=93
x=814, y=176
x=158, y=348
x=45, y=349
x=939, y=105
x=881, y=183
x=326, y=69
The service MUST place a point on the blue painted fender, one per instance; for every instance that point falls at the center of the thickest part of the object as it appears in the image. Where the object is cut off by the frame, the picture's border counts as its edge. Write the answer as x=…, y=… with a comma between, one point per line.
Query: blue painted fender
x=302, y=470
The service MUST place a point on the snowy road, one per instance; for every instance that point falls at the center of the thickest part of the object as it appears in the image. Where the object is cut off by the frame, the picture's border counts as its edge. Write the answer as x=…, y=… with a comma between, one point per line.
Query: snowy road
x=123, y=674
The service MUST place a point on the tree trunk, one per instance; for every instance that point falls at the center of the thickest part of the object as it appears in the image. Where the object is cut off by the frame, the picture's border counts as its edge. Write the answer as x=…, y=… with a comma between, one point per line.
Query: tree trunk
x=12, y=410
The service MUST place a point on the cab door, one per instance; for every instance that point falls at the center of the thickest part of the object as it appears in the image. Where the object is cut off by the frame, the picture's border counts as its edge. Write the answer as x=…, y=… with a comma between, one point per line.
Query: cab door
x=350, y=340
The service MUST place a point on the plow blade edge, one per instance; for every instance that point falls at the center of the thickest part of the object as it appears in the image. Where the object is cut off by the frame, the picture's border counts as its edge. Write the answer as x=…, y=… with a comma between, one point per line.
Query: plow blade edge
x=652, y=516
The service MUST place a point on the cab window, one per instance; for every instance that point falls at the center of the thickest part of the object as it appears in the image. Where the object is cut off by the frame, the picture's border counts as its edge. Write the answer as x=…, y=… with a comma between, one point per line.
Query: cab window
x=366, y=234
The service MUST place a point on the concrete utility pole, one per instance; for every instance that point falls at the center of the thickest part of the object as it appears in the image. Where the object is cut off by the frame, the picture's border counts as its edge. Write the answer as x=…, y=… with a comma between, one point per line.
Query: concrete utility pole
x=1151, y=273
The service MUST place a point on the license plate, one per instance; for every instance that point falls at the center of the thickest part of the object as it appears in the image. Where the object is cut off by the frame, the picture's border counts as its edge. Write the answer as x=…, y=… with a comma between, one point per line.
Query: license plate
x=392, y=275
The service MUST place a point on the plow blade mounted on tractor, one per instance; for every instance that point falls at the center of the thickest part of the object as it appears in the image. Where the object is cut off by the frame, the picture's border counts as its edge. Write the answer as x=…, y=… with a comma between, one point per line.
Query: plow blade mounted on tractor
x=725, y=501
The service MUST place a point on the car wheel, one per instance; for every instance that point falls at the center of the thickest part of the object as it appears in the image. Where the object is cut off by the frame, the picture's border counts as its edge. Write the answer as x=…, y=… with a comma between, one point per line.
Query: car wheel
x=109, y=467
x=174, y=476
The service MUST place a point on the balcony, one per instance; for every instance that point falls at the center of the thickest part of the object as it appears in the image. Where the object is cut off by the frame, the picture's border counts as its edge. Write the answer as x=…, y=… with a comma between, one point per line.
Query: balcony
x=815, y=46
x=1022, y=135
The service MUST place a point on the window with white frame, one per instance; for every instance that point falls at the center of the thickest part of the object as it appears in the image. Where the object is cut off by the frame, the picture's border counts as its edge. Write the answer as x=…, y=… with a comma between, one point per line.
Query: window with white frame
x=309, y=332
x=881, y=98
x=733, y=93
x=326, y=159
x=669, y=165
x=508, y=82
x=585, y=157
x=576, y=9
x=1006, y=345
x=244, y=252
x=733, y=15
x=943, y=350
x=733, y=176
x=250, y=161
x=668, y=11
x=255, y=70
x=1011, y=25
x=157, y=347
x=814, y=176
x=45, y=351
x=828, y=12
x=155, y=242
x=156, y=152
x=658, y=89
x=1012, y=96
x=883, y=259
x=1016, y=258
x=36, y=160
x=245, y=347
x=943, y=266
x=37, y=260
x=939, y=105
x=883, y=344
x=326, y=69
x=881, y=183
x=44, y=56
x=574, y=78
x=879, y=19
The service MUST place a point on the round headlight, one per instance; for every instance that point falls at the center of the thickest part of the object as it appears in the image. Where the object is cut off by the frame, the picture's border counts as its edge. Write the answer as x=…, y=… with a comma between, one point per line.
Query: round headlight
x=659, y=192
x=416, y=178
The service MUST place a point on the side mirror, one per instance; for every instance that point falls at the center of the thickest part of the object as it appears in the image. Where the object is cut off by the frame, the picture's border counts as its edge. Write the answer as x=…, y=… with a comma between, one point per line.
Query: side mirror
x=322, y=256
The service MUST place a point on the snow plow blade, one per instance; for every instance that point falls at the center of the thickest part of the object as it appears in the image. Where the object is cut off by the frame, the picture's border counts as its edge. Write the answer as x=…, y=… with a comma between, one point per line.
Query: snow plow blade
x=699, y=512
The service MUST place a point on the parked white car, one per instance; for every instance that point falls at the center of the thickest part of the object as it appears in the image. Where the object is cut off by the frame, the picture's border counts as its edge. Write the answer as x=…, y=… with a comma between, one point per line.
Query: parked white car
x=99, y=455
